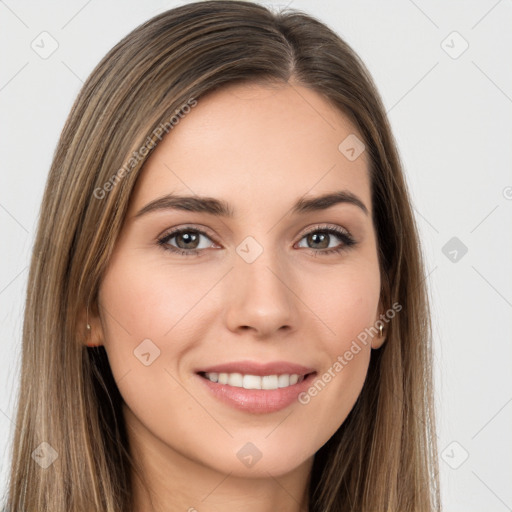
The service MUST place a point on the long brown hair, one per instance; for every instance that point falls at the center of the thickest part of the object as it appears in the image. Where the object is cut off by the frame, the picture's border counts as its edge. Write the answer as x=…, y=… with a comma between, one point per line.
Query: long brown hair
x=384, y=456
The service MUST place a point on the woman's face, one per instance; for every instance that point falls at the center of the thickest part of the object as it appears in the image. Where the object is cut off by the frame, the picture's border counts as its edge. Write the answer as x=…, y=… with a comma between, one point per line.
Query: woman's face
x=263, y=282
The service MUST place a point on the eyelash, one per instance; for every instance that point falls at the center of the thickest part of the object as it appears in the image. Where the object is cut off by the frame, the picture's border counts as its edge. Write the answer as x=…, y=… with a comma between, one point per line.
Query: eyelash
x=344, y=236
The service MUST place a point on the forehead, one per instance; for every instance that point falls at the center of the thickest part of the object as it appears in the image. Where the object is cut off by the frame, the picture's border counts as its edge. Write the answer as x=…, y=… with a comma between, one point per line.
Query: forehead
x=267, y=143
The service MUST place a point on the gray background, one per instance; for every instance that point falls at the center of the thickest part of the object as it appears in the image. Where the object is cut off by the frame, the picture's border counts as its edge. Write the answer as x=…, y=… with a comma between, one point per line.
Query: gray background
x=451, y=115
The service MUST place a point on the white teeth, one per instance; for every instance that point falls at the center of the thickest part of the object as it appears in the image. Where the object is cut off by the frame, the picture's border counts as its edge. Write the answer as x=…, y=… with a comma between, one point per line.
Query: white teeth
x=238, y=380
x=251, y=382
x=235, y=379
x=283, y=381
x=269, y=382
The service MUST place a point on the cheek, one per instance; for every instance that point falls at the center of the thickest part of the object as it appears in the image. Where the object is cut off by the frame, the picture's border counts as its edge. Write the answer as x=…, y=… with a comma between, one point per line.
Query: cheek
x=149, y=301
x=152, y=317
x=347, y=305
x=149, y=323
x=346, y=301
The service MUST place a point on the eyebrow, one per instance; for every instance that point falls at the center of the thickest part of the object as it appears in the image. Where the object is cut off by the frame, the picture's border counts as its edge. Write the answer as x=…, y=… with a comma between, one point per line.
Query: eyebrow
x=221, y=208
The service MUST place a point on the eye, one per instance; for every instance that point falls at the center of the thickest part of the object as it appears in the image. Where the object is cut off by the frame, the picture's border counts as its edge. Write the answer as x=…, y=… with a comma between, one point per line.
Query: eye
x=323, y=240
x=190, y=241
x=186, y=241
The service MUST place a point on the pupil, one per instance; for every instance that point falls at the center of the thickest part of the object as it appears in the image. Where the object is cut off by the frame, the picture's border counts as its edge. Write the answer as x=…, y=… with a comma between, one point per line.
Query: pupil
x=187, y=238
x=322, y=239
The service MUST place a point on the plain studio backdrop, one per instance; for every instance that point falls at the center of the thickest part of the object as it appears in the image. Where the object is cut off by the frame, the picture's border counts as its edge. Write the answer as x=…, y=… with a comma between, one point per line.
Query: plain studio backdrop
x=444, y=73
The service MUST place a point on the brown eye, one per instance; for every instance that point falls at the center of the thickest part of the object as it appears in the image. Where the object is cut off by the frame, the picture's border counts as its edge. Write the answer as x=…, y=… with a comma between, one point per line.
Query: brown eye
x=186, y=241
x=327, y=240
x=318, y=240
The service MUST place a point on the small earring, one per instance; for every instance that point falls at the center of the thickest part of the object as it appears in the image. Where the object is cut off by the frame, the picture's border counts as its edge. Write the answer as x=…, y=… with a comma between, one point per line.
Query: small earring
x=381, y=328
x=88, y=325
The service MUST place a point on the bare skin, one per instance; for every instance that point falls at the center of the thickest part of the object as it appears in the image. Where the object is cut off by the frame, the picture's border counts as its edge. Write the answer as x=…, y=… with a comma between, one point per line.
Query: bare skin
x=260, y=149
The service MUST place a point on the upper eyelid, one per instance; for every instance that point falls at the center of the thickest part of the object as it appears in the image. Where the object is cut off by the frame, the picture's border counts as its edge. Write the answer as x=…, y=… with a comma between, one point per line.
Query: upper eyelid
x=326, y=227
x=175, y=231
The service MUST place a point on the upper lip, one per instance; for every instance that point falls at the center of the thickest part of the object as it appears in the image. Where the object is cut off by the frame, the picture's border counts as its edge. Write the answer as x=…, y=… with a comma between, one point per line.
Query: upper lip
x=254, y=368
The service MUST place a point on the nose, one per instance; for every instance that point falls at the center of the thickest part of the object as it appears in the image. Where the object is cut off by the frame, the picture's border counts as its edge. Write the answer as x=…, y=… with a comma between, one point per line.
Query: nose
x=260, y=298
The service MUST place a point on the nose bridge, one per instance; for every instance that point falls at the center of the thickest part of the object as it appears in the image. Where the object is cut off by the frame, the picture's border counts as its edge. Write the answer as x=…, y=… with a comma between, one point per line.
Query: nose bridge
x=259, y=292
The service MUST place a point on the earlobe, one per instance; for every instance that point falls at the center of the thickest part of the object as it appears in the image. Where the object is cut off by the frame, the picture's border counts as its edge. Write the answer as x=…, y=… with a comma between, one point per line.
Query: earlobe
x=382, y=321
x=91, y=326
x=379, y=339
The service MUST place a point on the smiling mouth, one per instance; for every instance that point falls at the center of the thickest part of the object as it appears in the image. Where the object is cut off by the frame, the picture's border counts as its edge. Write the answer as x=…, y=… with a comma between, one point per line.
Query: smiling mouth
x=247, y=381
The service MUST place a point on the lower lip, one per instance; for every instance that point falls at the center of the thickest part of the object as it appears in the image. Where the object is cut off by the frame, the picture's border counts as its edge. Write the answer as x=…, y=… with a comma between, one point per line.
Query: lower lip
x=257, y=401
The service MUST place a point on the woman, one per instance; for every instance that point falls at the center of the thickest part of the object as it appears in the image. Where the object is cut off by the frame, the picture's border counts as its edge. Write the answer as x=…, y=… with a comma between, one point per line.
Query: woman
x=226, y=304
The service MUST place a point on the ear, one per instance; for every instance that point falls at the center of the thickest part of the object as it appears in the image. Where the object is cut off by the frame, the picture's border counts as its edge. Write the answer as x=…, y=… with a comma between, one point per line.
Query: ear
x=380, y=320
x=378, y=340
x=90, y=327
